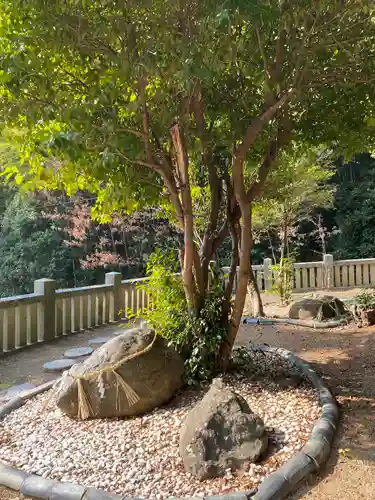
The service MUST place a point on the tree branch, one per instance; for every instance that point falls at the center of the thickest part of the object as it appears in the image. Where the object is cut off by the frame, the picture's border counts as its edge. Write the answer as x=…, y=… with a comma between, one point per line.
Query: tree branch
x=146, y=121
x=141, y=163
x=214, y=181
x=258, y=122
x=283, y=137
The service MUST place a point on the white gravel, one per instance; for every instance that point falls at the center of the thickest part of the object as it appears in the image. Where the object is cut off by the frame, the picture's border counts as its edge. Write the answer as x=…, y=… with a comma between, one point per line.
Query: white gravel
x=140, y=456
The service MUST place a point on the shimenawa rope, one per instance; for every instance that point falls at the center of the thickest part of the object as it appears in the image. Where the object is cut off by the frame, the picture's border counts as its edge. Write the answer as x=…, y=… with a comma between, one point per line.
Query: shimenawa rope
x=85, y=410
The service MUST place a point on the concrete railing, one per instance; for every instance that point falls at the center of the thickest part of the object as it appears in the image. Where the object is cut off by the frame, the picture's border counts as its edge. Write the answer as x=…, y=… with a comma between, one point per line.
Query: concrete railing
x=49, y=313
x=325, y=275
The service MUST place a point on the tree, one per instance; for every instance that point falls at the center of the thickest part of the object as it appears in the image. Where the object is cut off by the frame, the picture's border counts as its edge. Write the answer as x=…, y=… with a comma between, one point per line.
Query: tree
x=140, y=102
x=294, y=191
x=31, y=248
x=354, y=209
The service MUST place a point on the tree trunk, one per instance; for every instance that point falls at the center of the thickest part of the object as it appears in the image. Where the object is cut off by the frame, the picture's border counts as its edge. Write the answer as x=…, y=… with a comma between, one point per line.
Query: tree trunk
x=254, y=294
x=233, y=268
x=243, y=276
x=187, y=205
x=284, y=237
x=271, y=247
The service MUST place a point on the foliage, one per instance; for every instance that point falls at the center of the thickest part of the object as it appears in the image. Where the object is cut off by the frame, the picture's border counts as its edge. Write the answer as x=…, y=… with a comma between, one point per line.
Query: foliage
x=344, y=226
x=166, y=294
x=365, y=299
x=48, y=235
x=354, y=209
x=137, y=102
x=31, y=248
x=283, y=279
x=197, y=339
x=294, y=190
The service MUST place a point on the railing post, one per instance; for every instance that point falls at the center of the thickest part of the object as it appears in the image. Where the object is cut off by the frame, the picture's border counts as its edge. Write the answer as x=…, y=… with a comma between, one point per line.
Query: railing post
x=46, y=309
x=114, y=279
x=328, y=270
x=267, y=273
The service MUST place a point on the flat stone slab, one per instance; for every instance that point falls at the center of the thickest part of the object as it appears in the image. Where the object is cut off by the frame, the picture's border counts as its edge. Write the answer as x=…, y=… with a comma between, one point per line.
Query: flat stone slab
x=15, y=390
x=99, y=340
x=120, y=330
x=59, y=365
x=78, y=352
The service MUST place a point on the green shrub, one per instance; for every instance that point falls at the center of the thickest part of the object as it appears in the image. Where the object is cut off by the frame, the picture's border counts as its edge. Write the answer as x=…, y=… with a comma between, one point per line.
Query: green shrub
x=283, y=279
x=365, y=299
x=196, y=337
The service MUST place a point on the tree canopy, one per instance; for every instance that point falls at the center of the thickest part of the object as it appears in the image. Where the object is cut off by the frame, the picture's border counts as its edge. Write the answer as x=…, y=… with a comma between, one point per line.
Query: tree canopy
x=142, y=101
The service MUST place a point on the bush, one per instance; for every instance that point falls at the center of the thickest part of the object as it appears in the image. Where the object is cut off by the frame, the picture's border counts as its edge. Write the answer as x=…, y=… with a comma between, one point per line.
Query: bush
x=365, y=299
x=196, y=337
x=283, y=279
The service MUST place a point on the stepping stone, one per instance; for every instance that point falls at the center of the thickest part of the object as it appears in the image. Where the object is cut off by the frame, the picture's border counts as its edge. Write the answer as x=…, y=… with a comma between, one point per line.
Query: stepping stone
x=99, y=340
x=15, y=390
x=119, y=331
x=78, y=352
x=59, y=365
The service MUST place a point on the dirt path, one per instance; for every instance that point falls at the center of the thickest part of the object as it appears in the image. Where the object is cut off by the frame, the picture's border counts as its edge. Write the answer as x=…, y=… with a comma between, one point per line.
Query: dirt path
x=26, y=365
x=345, y=358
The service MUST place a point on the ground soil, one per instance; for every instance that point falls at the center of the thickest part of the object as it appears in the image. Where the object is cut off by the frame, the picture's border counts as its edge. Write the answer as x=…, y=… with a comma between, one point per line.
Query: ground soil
x=344, y=357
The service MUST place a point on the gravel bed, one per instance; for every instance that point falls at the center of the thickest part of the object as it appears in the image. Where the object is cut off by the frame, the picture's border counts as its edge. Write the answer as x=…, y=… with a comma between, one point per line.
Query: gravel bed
x=140, y=457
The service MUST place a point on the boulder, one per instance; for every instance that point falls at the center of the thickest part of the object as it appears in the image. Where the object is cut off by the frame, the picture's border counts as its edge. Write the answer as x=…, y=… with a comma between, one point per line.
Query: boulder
x=104, y=387
x=221, y=432
x=318, y=308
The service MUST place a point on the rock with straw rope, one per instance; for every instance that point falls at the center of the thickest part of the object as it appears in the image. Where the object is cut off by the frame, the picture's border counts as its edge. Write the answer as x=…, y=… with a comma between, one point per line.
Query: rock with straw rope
x=131, y=374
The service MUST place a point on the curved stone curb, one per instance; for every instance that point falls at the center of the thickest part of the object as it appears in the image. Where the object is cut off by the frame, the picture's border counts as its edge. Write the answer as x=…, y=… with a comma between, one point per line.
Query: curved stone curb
x=274, y=487
x=21, y=399
x=317, y=449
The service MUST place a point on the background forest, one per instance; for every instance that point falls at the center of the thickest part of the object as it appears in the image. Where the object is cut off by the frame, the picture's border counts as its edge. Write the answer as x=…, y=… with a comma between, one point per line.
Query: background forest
x=53, y=235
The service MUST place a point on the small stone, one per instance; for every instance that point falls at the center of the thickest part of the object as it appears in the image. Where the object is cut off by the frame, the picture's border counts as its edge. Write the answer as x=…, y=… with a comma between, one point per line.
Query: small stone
x=99, y=340
x=78, y=352
x=58, y=365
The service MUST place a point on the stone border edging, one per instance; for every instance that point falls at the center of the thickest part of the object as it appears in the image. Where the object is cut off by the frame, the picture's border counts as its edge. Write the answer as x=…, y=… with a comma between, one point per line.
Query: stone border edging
x=318, y=447
x=297, y=322
x=274, y=487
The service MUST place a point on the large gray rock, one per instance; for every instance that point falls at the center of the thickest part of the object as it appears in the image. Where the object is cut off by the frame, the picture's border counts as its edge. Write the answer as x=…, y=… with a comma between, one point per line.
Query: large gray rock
x=221, y=433
x=319, y=308
x=154, y=376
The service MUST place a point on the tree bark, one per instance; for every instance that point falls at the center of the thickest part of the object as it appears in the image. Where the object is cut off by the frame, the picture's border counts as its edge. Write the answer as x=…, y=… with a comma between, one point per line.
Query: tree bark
x=271, y=247
x=232, y=222
x=255, y=296
x=244, y=199
x=207, y=249
x=243, y=276
x=284, y=237
x=187, y=205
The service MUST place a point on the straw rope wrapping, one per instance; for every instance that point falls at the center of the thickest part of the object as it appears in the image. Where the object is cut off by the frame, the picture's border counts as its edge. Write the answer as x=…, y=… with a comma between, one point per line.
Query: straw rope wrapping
x=85, y=410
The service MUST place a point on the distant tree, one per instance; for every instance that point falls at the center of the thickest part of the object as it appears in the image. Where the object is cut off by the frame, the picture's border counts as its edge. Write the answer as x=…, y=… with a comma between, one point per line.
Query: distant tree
x=30, y=248
x=298, y=187
x=354, y=209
